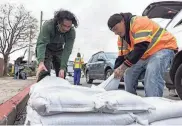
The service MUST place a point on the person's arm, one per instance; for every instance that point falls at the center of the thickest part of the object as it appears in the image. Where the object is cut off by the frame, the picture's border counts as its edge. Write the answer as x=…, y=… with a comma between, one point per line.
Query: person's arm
x=67, y=49
x=42, y=41
x=119, y=60
x=134, y=56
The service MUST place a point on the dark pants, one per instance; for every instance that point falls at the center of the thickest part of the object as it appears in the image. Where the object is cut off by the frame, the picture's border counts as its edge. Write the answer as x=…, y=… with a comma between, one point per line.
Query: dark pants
x=52, y=61
x=77, y=74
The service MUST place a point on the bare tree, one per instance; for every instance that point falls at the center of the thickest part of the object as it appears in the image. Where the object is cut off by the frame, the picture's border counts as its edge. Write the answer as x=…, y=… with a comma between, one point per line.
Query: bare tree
x=16, y=28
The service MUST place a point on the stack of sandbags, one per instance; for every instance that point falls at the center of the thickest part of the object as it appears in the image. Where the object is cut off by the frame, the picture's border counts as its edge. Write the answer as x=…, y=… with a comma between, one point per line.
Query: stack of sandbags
x=77, y=118
x=167, y=111
x=54, y=101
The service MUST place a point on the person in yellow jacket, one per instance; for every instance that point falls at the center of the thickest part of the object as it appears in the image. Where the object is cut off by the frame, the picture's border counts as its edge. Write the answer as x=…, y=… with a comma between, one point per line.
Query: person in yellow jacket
x=143, y=47
x=78, y=62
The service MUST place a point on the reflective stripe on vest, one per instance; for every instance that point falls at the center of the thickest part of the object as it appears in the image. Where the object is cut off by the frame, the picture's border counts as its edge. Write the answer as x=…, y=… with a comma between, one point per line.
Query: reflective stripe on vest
x=123, y=47
x=143, y=33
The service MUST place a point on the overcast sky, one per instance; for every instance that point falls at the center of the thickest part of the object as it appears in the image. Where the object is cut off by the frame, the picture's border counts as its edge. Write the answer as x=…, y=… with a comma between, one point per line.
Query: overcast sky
x=92, y=34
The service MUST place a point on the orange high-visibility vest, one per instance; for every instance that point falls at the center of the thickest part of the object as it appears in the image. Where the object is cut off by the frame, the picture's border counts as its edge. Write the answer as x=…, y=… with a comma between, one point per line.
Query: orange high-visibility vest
x=78, y=62
x=143, y=29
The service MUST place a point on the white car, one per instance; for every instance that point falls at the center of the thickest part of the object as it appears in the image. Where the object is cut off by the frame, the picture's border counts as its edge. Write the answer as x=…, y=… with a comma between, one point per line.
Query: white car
x=70, y=69
x=171, y=11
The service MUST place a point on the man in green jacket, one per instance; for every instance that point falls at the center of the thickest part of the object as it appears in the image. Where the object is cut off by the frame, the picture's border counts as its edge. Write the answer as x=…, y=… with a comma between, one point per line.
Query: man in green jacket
x=55, y=43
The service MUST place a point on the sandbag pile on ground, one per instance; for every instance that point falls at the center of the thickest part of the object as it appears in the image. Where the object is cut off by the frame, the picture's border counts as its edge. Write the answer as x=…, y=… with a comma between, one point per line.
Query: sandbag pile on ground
x=166, y=111
x=54, y=101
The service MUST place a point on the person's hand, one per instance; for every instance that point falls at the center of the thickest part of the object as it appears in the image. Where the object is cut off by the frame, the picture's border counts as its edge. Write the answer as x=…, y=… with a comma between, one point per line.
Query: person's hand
x=61, y=73
x=41, y=67
x=119, y=72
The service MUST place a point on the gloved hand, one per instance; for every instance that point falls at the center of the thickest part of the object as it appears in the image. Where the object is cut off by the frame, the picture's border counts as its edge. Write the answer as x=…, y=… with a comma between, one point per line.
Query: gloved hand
x=41, y=67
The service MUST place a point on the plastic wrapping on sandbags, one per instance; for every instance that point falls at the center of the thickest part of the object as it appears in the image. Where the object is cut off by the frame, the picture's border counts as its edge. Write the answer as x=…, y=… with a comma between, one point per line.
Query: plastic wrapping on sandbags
x=120, y=102
x=165, y=109
x=33, y=118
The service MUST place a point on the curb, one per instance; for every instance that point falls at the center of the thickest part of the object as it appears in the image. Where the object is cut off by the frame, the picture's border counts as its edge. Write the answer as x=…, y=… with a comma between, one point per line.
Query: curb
x=13, y=106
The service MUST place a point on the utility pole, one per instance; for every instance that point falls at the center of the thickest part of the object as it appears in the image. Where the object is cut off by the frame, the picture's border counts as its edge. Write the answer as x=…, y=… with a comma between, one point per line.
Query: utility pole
x=30, y=41
x=41, y=19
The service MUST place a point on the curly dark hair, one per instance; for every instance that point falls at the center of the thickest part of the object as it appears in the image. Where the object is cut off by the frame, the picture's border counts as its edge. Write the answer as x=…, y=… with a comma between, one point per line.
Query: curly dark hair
x=62, y=14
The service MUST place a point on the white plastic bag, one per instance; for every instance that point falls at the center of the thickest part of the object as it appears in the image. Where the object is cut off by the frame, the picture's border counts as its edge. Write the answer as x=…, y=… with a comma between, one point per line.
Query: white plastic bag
x=119, y=101
x=110, y=84
x=78, y=119
x=165, y=109
x=59, y=101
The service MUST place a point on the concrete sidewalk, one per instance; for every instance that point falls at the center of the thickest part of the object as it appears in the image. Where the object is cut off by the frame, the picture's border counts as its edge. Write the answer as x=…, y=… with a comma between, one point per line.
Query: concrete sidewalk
x=13, y=98
x=9, y=87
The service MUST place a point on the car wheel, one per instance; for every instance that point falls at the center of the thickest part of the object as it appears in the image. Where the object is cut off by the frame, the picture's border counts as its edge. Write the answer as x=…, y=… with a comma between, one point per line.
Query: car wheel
x=178, y=81
x=108, y=74
x=88, y=80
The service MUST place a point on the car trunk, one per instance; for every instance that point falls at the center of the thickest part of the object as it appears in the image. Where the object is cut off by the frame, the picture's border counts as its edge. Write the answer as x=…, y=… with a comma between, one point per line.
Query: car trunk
x=163, y=9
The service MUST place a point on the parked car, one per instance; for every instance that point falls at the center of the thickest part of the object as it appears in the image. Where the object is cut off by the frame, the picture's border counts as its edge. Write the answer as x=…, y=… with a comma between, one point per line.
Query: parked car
x=100, y=66
x=170, y=10
x=70, y=70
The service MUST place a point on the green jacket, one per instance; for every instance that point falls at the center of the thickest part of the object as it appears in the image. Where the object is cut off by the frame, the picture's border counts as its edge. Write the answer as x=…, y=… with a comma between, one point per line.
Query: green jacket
x=50, y=37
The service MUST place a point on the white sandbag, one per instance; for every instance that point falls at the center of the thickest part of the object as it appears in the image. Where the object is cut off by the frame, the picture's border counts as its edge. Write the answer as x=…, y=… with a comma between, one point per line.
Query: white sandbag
x=172, y=122
x=32, y=117
x=165, y=109
x=119, y=101
x=56, y=101
x=48, y=81
x=49, y=84
x=78, y=119
x=110, y=84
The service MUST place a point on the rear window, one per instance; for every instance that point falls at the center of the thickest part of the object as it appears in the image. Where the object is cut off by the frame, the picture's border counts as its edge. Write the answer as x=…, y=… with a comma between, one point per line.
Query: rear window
x=111, y=55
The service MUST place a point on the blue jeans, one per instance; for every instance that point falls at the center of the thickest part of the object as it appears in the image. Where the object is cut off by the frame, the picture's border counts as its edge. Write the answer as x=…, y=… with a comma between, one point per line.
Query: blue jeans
x=154, y=68
x=77, y=75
